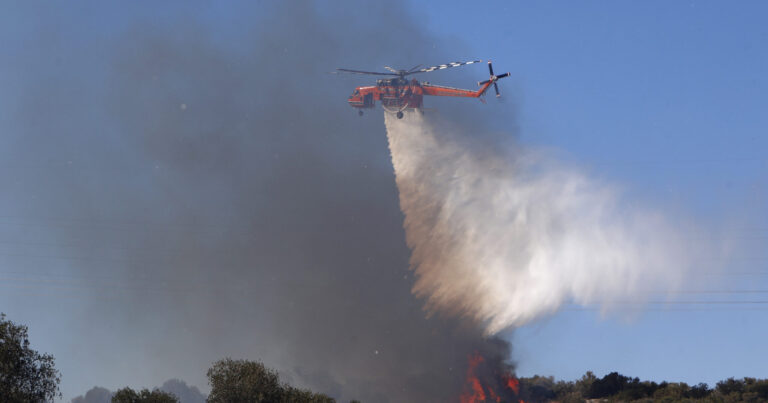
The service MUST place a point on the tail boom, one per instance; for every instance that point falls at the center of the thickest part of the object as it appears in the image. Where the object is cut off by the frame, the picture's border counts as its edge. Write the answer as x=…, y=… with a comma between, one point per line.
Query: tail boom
x=440, y=91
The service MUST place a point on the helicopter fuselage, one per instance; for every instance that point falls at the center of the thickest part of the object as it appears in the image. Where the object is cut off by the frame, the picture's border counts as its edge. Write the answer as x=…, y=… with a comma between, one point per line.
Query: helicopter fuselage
x=398, y=93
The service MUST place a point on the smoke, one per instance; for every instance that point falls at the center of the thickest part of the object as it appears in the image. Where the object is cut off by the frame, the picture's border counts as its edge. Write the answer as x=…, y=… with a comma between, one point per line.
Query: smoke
x=193, y=186
x=96, y=394
x=505, y=239
x=184, y=392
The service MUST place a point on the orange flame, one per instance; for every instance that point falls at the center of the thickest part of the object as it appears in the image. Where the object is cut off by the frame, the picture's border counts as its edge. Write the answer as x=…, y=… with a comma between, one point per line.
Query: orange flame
x=493, y=395
x=513, y=384
x=475, y=393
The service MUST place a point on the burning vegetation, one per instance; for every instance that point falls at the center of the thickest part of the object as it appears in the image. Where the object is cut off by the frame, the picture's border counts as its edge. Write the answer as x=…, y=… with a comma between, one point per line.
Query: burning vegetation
x=486, y=384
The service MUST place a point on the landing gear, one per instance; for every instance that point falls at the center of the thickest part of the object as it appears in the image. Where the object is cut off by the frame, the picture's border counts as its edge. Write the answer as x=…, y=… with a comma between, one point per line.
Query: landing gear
x=359, y=113
x=399, y=114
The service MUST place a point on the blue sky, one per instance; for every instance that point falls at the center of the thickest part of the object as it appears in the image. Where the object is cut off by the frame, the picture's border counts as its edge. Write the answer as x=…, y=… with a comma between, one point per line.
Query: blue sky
x=666, y=100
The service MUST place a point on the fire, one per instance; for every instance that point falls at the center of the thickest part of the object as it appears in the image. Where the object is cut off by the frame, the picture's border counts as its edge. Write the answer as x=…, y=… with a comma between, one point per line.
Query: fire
x=513, y=384
x=476, y=392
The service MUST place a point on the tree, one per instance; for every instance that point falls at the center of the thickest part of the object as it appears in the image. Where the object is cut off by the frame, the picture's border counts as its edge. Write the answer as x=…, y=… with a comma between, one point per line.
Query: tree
x=241, y=381
x=700, y=391
x=584, y=384
x=537, y=388
x=25, y=374
x=759, y=388
x=250, y=381
x=609, y=385
x=730, y=387
x=128, y=395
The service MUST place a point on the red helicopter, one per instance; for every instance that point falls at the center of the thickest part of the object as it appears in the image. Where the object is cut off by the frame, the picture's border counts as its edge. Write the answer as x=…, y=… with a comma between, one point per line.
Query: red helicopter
x=398, y=93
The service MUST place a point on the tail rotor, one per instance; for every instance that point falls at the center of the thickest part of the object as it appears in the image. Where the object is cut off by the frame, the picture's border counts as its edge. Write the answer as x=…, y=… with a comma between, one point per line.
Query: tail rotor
x=493, y=79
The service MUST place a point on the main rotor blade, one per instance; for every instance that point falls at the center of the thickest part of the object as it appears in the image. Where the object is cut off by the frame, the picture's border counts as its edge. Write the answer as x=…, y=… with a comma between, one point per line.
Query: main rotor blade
x=496, y=87
x=444, y=66
x=414, y=68
x=502, y=76
x=366, y=72
x=490, y=67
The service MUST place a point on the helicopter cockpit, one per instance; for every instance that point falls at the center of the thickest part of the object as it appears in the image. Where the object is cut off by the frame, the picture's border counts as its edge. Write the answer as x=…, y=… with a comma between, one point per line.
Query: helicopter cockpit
x=392, y=82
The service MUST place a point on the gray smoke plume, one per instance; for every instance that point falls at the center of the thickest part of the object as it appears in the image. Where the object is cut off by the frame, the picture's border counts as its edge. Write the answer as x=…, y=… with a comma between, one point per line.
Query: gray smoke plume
x=193, y=186
x=505, y=239
x=96, y=394
x=184, y=392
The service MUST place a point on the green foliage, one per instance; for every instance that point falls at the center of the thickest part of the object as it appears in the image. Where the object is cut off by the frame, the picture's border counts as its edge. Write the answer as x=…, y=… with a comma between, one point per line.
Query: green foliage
x=609, y=385
x=294, y=395
x=25, y=374
x=615, y=387
x=538, y=389
x=585, y=383
x=699, y=391
x=730, y=386
x=128, y=395
x=252, y=382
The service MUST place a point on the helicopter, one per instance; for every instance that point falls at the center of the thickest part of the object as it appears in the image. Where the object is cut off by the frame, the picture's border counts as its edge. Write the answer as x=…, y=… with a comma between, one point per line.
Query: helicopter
x=398, y=93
